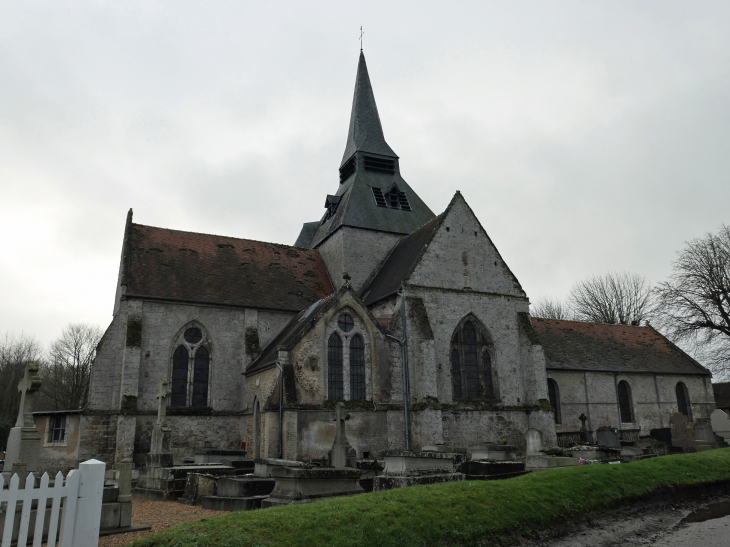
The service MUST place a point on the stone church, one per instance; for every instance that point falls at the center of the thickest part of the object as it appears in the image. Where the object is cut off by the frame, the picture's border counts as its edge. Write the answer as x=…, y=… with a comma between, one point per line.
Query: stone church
x=412, y=319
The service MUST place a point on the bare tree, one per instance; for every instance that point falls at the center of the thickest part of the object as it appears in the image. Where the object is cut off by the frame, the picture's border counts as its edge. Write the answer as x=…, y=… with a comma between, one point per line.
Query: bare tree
x=547, y=308
x=616, y=298
x=69, y=366
x=15, y=353
x=693, y=305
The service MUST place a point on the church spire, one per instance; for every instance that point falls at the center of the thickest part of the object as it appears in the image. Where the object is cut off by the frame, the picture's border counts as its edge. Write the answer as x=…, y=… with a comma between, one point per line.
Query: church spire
x=366, y=133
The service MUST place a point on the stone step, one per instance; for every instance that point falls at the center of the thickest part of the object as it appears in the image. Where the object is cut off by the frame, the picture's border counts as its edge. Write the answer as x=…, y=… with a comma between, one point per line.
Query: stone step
x=242, y=487
x=222, y=503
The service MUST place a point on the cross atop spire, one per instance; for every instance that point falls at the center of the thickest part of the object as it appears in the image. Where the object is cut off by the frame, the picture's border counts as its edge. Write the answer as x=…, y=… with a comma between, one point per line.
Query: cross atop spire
x=366, y=132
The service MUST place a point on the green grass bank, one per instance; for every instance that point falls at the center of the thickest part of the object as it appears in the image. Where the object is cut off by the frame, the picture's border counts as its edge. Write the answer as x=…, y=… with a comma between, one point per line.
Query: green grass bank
x=462, y=513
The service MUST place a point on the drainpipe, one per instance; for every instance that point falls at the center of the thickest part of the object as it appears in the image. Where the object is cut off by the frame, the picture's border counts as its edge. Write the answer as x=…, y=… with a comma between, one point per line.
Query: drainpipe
x=404, y=359
x=281, y=412
x=618, y=402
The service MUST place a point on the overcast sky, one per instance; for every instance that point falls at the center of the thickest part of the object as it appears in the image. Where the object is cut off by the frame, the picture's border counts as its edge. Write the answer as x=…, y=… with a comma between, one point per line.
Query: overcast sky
x=587, y=136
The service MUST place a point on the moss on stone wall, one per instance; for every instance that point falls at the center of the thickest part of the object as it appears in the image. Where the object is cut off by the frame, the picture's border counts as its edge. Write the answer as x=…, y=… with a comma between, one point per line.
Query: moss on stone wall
x=129, y=404
x=417, y=314
x=251, y=339
x=528, y=329
x=134, y=331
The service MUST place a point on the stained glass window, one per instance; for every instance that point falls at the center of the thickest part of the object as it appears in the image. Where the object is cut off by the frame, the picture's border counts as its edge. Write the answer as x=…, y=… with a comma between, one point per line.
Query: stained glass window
x=357, y=368
x=334, y=368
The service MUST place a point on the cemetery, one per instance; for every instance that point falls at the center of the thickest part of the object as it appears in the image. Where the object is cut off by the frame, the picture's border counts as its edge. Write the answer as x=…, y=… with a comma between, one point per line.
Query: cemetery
x=227, y=480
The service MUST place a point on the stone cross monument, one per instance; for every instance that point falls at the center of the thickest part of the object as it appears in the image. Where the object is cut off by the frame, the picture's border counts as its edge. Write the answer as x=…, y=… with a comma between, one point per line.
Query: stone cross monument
x=163, y=395
x=24, y=442
x=160, y=451
x=342, y=454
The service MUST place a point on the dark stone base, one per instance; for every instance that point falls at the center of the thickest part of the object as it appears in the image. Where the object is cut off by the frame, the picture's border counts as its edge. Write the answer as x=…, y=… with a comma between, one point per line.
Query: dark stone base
x=157, y=495
x=220, y=503
x=489, y=468
x=388, y=482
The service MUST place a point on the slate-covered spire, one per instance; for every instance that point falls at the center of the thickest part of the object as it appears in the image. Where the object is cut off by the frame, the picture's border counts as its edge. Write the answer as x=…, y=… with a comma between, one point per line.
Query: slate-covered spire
x=366, y=133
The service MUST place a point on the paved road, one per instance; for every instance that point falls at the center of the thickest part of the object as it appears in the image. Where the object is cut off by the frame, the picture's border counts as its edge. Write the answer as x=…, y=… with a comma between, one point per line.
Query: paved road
x=710, y=533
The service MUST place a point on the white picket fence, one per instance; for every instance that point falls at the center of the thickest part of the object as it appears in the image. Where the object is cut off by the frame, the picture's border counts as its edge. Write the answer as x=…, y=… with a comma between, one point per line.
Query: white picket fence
x=75, y=508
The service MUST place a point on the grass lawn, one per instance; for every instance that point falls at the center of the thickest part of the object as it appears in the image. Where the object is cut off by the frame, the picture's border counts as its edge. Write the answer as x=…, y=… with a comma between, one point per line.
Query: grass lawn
x=459, y=513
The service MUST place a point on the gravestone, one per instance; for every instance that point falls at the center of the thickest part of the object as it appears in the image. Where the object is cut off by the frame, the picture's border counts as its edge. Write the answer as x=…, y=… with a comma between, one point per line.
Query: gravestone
x=720, y=424
x=535, y=457
x=608, y=436
x=583, y=430
x=24, y=442
x=682, y=436
x=702, y=431
x=342, y=454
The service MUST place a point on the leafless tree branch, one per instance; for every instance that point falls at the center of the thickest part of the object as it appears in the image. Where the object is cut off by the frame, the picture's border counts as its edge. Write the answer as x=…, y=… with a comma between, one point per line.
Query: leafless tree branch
x=616, y=298
x=693, y=305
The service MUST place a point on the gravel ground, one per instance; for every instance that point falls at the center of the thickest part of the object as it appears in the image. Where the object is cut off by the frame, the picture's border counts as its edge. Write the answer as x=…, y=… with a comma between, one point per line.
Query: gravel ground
x=159, y=515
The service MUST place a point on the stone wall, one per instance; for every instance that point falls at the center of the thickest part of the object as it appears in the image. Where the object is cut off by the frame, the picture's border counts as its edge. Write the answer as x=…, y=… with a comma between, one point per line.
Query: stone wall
x=356, y=252
x=62, y=456
x=98, y=433
x=653, y=399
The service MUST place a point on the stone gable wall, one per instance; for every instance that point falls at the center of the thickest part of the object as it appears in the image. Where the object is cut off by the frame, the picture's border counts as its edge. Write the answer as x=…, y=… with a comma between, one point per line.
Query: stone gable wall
x=461, y=255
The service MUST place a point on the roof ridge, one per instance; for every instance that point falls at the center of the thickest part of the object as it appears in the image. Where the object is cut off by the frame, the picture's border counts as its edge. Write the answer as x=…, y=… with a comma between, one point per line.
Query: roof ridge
x=225, y=237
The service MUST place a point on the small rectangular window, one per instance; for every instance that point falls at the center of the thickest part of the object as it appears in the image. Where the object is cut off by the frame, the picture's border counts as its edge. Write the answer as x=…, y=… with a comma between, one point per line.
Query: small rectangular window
x=57, y=428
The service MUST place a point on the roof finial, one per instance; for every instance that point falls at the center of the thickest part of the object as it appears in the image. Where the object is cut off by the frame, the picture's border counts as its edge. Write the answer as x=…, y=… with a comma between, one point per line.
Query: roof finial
x=361, y=33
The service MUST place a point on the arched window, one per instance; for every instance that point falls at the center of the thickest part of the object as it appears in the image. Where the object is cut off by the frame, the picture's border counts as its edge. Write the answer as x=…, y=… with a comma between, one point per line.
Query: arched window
x=456, y=374
x=554, y=395
x=624, y=402
x=334, y=368
x=191, y=369
x=200, y=377
x=683, y=403
x=179, y=377
x=357, y=368
x=471, y=362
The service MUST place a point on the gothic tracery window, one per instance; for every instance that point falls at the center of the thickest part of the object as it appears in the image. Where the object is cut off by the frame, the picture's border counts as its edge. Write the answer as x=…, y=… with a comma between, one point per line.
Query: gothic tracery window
x=334, y=367
x=471, y=362
x=357, y=368
x=190, y=370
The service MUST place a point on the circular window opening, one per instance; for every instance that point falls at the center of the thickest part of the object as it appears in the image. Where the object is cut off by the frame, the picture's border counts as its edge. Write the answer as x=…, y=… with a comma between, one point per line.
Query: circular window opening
x=345, y=323
x=193, y=335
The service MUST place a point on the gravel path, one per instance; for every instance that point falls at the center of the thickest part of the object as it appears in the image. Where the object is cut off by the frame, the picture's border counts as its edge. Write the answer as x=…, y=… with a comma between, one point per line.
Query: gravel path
x=159, y=515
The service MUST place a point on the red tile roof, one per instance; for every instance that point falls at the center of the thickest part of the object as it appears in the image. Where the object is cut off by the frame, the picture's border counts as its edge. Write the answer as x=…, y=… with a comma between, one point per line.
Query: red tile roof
x=191, y=267
x=575, y=345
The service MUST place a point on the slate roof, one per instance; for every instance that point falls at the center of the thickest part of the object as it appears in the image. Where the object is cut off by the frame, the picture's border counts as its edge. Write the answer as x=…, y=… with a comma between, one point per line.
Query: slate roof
x=305, y=236
x=722, y=394
x=366, y=131
x=297, y=324
x=576, y=345
x=191, y=267
x=357, y=206
x=400, y=263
